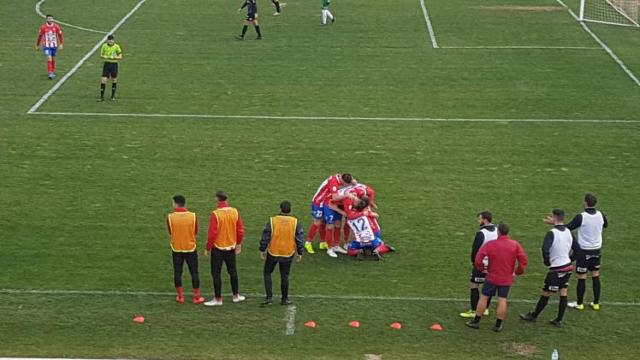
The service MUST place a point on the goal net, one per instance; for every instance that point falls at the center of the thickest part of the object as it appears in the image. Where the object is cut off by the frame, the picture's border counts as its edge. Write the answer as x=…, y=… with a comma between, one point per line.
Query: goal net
x=615, y=12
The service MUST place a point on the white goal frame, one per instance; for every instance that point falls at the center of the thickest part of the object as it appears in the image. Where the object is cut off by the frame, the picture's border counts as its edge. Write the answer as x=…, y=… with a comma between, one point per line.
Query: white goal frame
x=632, y=22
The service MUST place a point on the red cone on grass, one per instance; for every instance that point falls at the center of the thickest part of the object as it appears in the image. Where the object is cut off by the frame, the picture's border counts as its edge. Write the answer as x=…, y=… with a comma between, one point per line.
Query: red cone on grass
x=310, y=324
x=436, y=327
x=396, y=325
x=138, y=319
x=354, y=324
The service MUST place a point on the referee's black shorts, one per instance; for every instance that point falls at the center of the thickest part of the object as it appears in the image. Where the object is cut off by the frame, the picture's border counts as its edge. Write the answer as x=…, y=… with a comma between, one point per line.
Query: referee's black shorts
x=110, y=70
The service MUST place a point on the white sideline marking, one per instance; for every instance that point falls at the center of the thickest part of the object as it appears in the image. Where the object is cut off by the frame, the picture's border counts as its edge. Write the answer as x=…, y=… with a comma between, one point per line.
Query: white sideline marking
x=602, y=44
x=432, y=34
x=304, y=296
x=524, y=47
x=312, y=118
x=64, y=23
x=291, y=320
x=27, y=358
x=77, y=66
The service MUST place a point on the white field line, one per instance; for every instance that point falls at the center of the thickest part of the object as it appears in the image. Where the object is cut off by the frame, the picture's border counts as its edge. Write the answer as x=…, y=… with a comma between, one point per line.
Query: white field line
x=326, y=118
x=27, y=358
x=39, y=12
x=523, y=47
x=291, y=320
x=302, y=296
x=77, y=66
x=602, y=44
x=432, y=34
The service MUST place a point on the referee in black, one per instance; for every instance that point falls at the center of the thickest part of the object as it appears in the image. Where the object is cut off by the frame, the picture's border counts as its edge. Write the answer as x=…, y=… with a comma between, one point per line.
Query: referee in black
x=252, y=18
x=282, y=240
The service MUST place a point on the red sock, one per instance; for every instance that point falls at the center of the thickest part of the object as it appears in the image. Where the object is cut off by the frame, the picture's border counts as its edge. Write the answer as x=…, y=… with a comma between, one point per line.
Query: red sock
x=336, y=236
x=180, y=291
x=329, y=237
x=50, y=65
x=352, y=252
x=323, y=232
x=312, y=232
x=382, y=249
x=196, y=293
x=347, y=233
x=53, y=65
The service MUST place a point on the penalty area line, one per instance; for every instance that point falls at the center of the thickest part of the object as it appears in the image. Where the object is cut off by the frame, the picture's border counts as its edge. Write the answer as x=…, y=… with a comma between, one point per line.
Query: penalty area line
x=427, y=20
x=68, y=292
x=328, y=118
x=77, y=66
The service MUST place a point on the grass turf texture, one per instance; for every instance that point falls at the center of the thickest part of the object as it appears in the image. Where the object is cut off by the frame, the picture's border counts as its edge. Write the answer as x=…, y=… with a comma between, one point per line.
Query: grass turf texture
x=85, y=197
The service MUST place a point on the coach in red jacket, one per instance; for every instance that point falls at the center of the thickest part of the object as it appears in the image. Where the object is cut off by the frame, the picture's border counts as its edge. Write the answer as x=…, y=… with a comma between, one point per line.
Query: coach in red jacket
x=501, y=269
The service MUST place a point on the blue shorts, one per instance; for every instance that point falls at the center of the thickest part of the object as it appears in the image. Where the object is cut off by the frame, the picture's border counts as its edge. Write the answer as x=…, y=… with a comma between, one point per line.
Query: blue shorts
x=330, y=216
x=49, y=51
x=316, y=212
x=354, y=245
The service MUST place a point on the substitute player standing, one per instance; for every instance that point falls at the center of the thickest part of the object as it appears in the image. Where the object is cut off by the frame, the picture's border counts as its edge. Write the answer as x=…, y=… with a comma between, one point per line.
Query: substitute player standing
x=111, y=53
x=485, y=234
x=50, y=36
x=590, y=224
x=503, y=253
x=183, y=229
x=252, y=18
x=556, y=252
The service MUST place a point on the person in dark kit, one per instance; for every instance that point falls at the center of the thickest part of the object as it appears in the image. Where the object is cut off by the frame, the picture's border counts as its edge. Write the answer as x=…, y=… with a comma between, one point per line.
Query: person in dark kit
x=252, y=18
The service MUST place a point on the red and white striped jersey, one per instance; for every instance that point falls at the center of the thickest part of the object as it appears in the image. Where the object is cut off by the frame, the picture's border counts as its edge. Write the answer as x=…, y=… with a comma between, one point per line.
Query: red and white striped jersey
x=328, y=187
x=50, y=36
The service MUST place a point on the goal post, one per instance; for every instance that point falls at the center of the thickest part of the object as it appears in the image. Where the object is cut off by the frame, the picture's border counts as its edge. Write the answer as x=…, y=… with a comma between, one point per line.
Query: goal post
x=614, y=12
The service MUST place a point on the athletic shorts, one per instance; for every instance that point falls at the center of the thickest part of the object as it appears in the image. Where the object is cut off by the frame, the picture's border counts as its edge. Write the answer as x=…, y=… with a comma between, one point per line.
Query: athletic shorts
x=110, y=69
x=330, y=216
x=586, y=262
x=317, y=212
x=488, y=289
x=49, y=51
x=556, y=280
x=477, y=276
x=355, y=245
x=252, y=16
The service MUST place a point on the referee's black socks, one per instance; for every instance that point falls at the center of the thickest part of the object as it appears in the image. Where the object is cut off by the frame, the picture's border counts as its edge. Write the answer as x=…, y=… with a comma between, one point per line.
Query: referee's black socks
x=258, y=30
x=102, y=87
x=113, y=90
x=244, y=30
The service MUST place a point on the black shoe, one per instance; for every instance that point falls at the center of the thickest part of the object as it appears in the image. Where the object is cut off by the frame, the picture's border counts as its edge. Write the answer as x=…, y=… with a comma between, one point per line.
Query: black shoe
x=529, y=317
x=267, y=302
x=286, y=302
x=473, y=324
x=556, y=322
x=259, y=37
x=497, y=328
x=239, y=37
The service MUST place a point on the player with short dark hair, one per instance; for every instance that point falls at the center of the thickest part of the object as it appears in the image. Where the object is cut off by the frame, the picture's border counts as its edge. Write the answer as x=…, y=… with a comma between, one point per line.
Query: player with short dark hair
x=484, y=235
x=111, y=53
x=252, y=18
x=590, y=224
x=502, y=254
x=557, y=252
x=50, y=37
x=183, y=229
x=282, y=239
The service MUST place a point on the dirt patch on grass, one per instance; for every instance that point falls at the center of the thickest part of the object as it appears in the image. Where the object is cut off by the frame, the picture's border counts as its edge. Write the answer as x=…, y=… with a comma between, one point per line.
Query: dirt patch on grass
x=524, y=350
x=372, y=357
x=523, y=8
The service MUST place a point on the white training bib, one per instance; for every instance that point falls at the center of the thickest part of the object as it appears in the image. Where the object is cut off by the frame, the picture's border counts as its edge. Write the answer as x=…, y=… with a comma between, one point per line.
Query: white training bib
x=362, y=230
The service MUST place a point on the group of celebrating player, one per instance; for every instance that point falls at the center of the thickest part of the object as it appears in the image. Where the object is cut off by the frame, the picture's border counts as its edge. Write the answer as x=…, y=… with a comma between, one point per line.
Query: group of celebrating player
x=340, y=197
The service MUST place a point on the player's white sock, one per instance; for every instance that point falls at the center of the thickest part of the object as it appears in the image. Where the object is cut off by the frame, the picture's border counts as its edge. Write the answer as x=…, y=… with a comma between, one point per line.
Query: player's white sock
x=329, y=14
x=324, y=17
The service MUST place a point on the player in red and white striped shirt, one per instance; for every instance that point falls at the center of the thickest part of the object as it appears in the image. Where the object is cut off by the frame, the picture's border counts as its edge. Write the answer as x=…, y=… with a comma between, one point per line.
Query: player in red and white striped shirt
x=50, y=37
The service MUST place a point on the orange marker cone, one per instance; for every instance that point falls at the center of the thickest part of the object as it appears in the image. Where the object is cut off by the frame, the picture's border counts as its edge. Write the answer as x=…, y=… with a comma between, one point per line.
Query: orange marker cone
x=310, y=324
x=436, y=327
x=396, y=325
x=138, y=319
x=354, y=324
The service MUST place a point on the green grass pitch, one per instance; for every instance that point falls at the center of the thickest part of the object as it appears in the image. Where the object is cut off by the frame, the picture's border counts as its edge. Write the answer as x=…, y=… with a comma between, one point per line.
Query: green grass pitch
x=84, y=196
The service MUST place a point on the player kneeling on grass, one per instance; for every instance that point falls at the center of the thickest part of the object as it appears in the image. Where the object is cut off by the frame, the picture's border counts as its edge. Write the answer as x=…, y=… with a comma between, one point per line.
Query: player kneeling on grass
x=252, y=18
x=111, y=53
x=502, y=254
x=556, y=251
x=365, y=231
